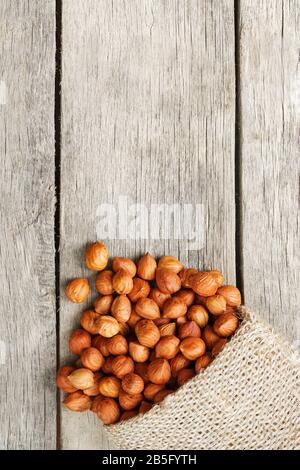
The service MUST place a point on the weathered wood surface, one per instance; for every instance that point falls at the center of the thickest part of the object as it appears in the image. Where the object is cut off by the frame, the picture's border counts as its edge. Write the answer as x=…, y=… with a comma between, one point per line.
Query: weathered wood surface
x=270, y=125
x=27, y=277
x=148, y=112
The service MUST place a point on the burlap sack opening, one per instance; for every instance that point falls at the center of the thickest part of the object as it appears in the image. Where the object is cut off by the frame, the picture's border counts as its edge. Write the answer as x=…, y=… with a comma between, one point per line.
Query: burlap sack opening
x=248, y=398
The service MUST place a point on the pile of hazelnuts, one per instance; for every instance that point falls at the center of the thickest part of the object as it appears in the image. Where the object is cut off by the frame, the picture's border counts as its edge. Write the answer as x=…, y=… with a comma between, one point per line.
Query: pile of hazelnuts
x=154, y=326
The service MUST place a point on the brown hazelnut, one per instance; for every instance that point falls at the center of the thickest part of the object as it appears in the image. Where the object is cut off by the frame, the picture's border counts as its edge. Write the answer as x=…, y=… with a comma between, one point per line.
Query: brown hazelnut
x=92, y=359
x=209, y=337
x=219, y=346
x=79, y=340
x=145, y=406
x=161, y=321
x=232, y=295
x=117, y=345
x=190, y=328
x=121, y=308
x=129, y=414
x=168, y=329
x=216, y=304
x=181, y=320
x=122, y=365
x=132, y=383
x=199, y=315
x=122, y=282
x=185, y=275
x=126, y=264
x=95, y=403
x=141, y=368
x=158, y=296
x=184, y=375
x=96, y=256
x=152, y=389
x=147, y=308
x=129, y=402
x=226, y=324
x=134, y=318
x=88, y=321
x=159, y=371
x=192, y=348
x=147, y=333
x=124, y=328
x=202, y=362
x=94, y=390
x=218, y=276
x=81, y=378
x=102, y=305
x=167, y=281
x=101, y=344
x=203, y=283
x=107, y=366
x=108, y=411
x=147, y=267
x=138, y=352
x=186, y=296
x=109, y=386
x=161, y=395
x=177, y=363
x=174, y=308
x=107, y=326
x=62, y=380
x=140, y=289
x=77, y=290
x=104, y=282
x=167, y=347
x=77, y=401
x=171, y=263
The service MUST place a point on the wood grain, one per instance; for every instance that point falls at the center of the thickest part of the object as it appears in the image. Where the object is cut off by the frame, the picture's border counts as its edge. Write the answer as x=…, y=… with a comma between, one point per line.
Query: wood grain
x=27, y=197
x=270, y=125
x=148, y=112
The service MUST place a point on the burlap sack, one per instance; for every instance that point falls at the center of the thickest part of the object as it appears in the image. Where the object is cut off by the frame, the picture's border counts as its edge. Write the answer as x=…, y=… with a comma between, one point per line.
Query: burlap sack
x=248, y=398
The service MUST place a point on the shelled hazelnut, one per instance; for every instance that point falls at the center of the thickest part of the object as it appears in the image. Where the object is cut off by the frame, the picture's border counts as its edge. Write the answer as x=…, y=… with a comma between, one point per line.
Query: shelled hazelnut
x=154, y=326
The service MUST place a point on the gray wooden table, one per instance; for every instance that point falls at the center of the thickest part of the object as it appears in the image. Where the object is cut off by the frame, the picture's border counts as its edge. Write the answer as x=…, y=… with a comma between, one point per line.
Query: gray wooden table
x=161, y=101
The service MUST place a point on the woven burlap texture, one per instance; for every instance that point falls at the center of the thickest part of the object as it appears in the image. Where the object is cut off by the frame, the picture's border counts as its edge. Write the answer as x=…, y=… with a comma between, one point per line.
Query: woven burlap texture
x=248, y=398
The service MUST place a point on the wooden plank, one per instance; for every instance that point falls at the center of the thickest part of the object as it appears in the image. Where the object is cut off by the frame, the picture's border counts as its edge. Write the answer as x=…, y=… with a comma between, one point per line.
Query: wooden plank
x=148, y=104
x=27, y=198
x=270, y=84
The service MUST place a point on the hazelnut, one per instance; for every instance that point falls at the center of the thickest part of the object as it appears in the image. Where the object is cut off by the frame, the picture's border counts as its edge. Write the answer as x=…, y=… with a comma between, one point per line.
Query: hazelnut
x=161, y=321
x=121, y=308
x=167, y=347
x=138, y=352
x=122, y=282
x=77, y=290
x=219, y=346
x=124, y=328
x=132, y=384
x=177, y=363
x=108, y=411
x=190, y=328
x=192, y=348
x=216, y=304
x=202, y=362
x=107, y=326
x=77, y=401
x=203, y=283
x=141, y=368
x=158, y=296
x=209, y=337
x=139, y=290
x=186, y=296
x=147, y=308
x=161, y=395
x=109, y=386
x=104, y=282
x=171, y=263
x=129, y=402
x=95, y=403
x=226, y=324
x=88, y=321
x=128, y=415
x=168, y=329
x=218, y=276
x=79, y=340
x=185, y=275
x=117, y=345
x=152, y=389
x=107, y=366
x=96, y=256
x=134, y=318
x=94, y=390
x=101, y=344
x=145, y=406
x=81, y=378
x=184, y=375
x=62, y=380
x=181, y=320
x=198, y=314
x=199, y=300
x=122, y=365
x=102, y=305
x=147, y=333
x=167, y=281
x=159, y=371
x=174, y=308
x=147, y=267
x=126, y=264
x=232, y=295
x=92, y=359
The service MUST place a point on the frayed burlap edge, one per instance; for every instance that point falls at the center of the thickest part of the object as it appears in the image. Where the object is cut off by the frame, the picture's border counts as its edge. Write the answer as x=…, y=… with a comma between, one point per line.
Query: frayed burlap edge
x=248, y=398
